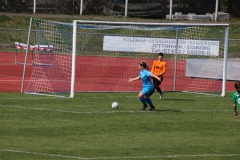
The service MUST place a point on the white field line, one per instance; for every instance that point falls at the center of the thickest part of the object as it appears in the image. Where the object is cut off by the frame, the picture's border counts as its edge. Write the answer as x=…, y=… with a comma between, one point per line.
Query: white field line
x=9, y=76
x=29, y=80
x=127, y=157
x=10, y=80
x=19, y=98
x=112, y=97
x=8, y=64
x=43, y=97
x=105, y=112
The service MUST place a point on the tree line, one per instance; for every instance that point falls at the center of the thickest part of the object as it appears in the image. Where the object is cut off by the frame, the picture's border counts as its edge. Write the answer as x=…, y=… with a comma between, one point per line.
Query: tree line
x=96, y=6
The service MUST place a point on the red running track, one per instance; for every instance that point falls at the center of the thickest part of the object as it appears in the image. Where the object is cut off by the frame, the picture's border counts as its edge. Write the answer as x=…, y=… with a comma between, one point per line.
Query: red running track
x=11, y=73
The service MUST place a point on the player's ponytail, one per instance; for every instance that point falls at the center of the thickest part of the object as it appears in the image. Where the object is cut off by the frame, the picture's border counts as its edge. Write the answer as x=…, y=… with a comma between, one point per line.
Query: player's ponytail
x=144, y=65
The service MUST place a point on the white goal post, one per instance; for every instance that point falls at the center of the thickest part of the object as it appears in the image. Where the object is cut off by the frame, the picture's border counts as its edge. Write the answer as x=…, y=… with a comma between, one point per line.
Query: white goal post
x=100, y=56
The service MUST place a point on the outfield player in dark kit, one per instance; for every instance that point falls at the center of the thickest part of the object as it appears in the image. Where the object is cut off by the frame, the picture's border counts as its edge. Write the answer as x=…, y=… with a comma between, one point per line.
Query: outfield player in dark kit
x=236, y=98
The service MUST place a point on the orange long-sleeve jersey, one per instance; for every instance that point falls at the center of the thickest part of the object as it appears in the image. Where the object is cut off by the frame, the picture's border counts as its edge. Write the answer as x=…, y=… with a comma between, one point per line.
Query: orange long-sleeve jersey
x=159, y=68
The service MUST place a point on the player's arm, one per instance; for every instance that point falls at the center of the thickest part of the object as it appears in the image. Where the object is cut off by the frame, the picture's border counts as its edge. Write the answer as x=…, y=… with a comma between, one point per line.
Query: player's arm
x=234, y=100
x=154, y=76
x=134, y=79
x=235, y=109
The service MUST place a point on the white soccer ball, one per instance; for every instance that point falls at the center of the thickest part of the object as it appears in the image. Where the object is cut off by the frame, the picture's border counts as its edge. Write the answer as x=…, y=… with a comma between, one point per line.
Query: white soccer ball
x=115, y=105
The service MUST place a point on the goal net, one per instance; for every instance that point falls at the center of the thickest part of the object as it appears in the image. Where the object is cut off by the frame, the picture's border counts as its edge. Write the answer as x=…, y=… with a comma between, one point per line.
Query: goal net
x=100, y=56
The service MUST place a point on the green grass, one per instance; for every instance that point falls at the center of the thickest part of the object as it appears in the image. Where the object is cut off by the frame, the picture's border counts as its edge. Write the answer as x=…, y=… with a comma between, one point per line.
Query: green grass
x=184, y=126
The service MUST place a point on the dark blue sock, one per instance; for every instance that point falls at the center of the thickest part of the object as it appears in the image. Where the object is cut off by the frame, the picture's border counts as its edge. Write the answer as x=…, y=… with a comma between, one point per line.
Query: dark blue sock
x=149, y=101
x=143, y=100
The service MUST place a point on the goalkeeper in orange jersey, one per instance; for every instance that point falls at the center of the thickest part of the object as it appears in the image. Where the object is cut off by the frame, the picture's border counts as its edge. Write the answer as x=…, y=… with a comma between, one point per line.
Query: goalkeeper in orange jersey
x=158, y=68
x=236, y=98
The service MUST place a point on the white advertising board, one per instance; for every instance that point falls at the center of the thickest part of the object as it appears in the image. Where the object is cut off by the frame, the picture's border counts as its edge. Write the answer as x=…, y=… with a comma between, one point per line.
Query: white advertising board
x=210, y=68
x=164, y=45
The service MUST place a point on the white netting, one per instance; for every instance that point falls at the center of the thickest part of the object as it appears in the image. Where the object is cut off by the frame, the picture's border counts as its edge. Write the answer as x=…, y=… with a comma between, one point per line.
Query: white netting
x=52, y=70
x=107, y=54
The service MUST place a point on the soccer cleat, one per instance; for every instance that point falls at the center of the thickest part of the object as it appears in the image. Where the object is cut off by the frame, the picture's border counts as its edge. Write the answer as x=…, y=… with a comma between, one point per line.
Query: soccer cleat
x=151, y=108
x=161, y=95
x=144, y=107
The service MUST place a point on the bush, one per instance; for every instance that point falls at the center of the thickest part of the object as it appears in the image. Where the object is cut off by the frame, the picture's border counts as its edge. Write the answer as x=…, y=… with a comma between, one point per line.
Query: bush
x=4, y=19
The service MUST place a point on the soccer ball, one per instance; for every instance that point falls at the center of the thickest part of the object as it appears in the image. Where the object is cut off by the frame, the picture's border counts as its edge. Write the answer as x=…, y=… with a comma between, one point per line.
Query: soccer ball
x=115, y=105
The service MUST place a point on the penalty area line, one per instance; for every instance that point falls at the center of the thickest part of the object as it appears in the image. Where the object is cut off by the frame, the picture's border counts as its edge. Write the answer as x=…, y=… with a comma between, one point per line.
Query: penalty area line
x=128, y=157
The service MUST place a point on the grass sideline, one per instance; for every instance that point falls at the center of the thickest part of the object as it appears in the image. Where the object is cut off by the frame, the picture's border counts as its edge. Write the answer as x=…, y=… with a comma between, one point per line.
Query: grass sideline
x=184, y=126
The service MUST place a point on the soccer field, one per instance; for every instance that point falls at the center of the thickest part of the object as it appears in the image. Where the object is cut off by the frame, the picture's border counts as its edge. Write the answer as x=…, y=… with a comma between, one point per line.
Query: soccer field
x=183, y=126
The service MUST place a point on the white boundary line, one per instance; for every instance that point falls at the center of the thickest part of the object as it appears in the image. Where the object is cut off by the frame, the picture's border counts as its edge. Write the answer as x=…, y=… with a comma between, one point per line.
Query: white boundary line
x=44, y=97
x=10, y=80
x=129, y=157
x=104, y=112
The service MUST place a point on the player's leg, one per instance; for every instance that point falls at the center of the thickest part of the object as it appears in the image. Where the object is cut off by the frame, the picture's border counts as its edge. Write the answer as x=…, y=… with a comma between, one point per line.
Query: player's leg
x=147, y=93
x=157, y=87
x=161, y=92
x=156, y=84
x=143, y=100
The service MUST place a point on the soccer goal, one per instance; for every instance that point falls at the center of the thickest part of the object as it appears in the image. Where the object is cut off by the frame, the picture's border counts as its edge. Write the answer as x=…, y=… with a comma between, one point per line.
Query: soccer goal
x=100, y=56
